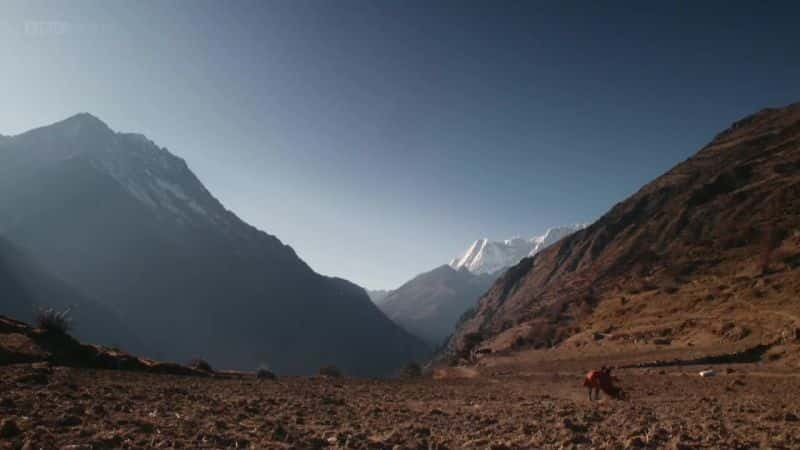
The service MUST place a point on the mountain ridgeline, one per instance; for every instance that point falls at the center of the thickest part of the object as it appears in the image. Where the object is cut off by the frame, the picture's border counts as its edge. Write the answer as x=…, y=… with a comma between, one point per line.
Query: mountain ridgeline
x=711, y=246
x=129, y=224
x=486, y=256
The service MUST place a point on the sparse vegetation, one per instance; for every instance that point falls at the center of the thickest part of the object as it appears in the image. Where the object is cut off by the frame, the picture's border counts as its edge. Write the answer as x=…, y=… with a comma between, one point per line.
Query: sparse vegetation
x=330, y=371
x=200, y=364
x=669, y=285
x=411, y=370
x=466, y=315
x=54, y=321
x=471, y=340
x=451, y=360
x=772, y=240
x=541, y=334
x=263, y=373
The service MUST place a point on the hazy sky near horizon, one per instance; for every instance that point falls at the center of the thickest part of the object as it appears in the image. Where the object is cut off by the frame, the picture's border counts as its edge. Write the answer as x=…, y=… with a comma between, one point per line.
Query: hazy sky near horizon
x=379, y=139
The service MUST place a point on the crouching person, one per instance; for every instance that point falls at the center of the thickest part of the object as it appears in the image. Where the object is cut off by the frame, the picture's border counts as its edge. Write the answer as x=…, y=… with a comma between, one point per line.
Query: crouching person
x=602, y=380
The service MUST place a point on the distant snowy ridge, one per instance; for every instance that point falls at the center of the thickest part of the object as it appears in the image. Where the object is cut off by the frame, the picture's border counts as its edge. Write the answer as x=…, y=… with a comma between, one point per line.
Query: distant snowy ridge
x=486, y=256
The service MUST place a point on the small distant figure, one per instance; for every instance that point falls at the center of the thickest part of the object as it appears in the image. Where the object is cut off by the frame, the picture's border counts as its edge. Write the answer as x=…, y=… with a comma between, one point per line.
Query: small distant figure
x=602, y=379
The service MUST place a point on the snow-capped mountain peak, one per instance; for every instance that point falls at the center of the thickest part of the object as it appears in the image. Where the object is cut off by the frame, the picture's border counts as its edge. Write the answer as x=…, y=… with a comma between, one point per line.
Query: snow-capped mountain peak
x=487, y=256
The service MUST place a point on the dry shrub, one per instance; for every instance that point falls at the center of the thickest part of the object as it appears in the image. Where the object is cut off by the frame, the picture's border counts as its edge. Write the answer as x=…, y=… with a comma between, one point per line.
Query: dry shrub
x=265, y=374
x=330, y=371
x=670, y=286
x=585, y=309
x=772, y=239
x=541, y=334
x=54, y=321
x=789, y=257
x=201, y=365
x=411, y=370
x=471, y=340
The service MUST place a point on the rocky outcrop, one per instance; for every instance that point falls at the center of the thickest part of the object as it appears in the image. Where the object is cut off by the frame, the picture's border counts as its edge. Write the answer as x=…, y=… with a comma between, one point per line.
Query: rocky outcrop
x=21, y=343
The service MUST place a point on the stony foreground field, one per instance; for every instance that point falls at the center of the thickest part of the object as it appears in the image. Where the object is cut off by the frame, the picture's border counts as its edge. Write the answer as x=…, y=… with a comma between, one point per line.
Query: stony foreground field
x=747, y=407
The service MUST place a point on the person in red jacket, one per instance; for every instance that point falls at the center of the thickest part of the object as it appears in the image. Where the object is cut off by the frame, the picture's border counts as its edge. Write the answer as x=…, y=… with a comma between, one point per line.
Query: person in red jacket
x=598, y=380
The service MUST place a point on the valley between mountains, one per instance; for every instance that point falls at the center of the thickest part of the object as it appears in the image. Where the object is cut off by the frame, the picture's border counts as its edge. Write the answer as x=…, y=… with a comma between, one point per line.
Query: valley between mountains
x=699, y=270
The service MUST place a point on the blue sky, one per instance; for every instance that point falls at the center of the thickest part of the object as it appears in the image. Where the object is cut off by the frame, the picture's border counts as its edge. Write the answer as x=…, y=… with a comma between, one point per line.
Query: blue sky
x=380, y=139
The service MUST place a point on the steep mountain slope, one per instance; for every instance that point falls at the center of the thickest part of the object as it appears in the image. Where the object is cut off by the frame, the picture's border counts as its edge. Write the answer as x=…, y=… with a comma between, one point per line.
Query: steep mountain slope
x=429, y=305
x=485, y=256
x=705, y=254
x=130, y=224
x=25, y=287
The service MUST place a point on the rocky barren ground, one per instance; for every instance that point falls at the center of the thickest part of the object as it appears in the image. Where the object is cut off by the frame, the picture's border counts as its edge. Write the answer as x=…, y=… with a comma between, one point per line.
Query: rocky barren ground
x=744, y=406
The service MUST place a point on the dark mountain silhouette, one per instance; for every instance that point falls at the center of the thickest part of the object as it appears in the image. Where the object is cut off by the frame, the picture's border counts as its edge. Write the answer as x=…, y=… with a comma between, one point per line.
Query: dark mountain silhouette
x=430, y=305
x=707, y=252
x=127, y=222
x=25, y=288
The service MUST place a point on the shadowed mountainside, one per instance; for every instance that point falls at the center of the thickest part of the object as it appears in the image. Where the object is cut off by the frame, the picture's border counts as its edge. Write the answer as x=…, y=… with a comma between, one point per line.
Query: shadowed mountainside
x=25, y=287
x=430, y=304
x=129, y=223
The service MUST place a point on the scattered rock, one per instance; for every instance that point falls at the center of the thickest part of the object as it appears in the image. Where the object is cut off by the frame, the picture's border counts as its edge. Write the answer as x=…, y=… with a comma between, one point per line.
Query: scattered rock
x=35, y=378
x=108, y=439
x=279, y=433
x=422, y=431
x=574, y=426
x=264, y=374
x=635, y=442
x=332, y=401
x=330, y=372
x=500, y=447
x=42, y=367
x=201, y=365
x=734, y=333
x=67, y=421
x=146, y=427
x=9, y=429
x=7, y=404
